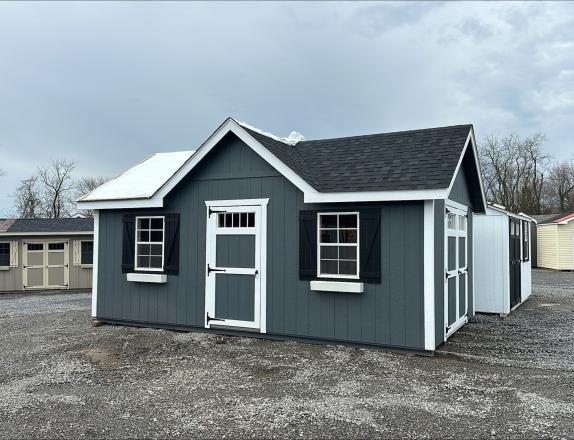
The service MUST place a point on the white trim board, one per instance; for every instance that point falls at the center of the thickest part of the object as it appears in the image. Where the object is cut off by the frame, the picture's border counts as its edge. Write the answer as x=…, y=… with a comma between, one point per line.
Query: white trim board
x=470, y=140
x=95, y=264
x=428, y=275
x=311, y=195
x=42, y=234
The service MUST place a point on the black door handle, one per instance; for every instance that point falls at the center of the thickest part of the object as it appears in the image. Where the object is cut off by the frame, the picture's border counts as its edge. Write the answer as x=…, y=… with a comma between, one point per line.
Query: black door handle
x=209, y=270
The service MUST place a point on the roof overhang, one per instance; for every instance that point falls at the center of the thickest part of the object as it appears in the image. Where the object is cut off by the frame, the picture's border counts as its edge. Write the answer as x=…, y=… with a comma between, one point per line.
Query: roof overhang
x=520, y=216
x=470, y=143
x=311, y=195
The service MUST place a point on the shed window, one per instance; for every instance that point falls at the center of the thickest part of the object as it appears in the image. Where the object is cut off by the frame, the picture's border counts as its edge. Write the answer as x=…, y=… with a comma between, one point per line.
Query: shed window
x=149, y=243
x=338, y=245
x=5, y=254
x=87, y=252
x=236, y=220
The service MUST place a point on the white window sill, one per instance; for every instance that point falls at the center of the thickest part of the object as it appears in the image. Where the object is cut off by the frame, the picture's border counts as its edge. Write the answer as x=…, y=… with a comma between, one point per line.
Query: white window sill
x=86, y=266
x=147, y=277
x=4, y=267
x=337, y=286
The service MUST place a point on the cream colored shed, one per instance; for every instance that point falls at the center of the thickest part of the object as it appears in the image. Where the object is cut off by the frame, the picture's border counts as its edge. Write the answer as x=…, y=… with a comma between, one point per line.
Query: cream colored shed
x=40, y=254
x=556, y=242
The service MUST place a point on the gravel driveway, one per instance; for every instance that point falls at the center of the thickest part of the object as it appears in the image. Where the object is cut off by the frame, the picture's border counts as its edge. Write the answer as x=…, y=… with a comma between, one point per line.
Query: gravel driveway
x=497, y=377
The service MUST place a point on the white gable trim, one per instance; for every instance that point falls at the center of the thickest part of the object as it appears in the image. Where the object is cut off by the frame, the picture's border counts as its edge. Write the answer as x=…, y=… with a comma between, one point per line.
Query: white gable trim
x=230, y=125
x=470, y=140
x=311, y=195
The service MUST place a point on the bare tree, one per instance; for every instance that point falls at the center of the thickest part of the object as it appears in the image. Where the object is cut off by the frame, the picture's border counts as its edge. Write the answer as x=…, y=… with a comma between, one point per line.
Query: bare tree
x=29, y=199
x=56, y=180
x=513, y=171
x=86, y=185
x=561, y=186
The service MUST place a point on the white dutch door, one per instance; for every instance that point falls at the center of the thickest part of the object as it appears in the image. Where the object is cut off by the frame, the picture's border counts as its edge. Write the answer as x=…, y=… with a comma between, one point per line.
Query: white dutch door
x=234, y=272
x=46, y=265
x=456, y=269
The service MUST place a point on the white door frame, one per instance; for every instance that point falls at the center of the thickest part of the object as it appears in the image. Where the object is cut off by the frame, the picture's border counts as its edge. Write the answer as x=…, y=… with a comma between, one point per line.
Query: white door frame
x=458, y=210
x=259, y=206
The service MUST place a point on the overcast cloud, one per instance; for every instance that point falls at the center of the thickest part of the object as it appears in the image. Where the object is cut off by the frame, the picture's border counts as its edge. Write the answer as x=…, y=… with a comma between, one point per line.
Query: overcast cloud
x=106, y=84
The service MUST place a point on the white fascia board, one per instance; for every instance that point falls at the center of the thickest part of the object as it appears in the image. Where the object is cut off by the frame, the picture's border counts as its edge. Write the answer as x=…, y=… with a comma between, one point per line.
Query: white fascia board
x=519, y=216
x=95, y=264
x=375, y=196
x=230, y=125
x=470, y=140
x=31, y=234
x=123, y=204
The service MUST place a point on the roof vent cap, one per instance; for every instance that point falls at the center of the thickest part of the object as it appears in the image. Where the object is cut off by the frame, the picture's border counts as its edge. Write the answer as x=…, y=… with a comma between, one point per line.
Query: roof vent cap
x=294, y=138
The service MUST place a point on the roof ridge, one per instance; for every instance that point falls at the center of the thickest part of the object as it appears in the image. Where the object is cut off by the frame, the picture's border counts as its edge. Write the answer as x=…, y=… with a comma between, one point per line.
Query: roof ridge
x=385, y=133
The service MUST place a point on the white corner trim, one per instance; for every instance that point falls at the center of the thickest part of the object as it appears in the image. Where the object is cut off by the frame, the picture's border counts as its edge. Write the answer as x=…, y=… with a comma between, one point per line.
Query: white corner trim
x=337, y=286
x=147, y=277
x=95, y=263
x=428, y=271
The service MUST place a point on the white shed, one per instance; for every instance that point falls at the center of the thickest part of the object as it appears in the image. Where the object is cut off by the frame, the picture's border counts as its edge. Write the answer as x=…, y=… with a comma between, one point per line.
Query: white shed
x=502, y=266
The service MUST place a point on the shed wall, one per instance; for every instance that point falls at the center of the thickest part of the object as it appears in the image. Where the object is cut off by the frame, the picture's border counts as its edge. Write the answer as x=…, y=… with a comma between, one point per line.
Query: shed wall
x=12, y=279
x=566, y=246
x=547, y=246
x=390, y=313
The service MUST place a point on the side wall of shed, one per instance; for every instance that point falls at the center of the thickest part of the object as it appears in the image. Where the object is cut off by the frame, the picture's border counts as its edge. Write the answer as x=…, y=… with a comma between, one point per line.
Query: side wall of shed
x=566, y=246
x=389, y=313
x=547, y=245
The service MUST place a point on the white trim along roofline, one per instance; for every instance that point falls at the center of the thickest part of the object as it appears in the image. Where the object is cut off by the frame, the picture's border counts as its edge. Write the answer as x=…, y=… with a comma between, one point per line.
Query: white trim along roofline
x=470, y=140
x=311, y=195
x=520, y=216
x=30, y=234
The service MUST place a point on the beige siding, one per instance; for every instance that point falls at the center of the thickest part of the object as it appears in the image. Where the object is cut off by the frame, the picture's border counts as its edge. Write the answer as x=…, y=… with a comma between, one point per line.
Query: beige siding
x=547, y=246
x=565, y=244
x=12, y=278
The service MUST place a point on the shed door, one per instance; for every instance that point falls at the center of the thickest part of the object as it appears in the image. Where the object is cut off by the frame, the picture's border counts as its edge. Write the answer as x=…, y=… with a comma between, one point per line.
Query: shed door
x=456, y=269
x=33, y=259
x=233, y=273
x=46, y=265
x=515, y=243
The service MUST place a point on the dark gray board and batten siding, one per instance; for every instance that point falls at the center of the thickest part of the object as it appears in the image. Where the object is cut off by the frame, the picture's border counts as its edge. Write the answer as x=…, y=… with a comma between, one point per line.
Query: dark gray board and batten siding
x=390, y=313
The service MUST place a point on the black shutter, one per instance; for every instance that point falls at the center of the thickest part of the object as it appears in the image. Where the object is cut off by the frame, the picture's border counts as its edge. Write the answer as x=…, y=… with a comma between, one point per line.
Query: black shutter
x=128, y=243
x=307, y=245
x=370, y=245
x=171, y=250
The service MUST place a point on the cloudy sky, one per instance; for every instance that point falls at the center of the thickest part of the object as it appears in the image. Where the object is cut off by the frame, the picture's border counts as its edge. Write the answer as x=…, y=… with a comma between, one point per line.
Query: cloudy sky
x=105, y=84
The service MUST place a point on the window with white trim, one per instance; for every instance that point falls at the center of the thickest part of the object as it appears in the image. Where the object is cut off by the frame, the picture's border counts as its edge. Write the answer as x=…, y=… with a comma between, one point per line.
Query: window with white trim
x=86, y=252
x=149, y=243
x=4, y=254
x=338, y=245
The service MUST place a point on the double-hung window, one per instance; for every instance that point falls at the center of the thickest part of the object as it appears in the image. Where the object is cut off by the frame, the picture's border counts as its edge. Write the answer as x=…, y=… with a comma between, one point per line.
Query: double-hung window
x=338, y=243
x=149, y=252
x=4, y=254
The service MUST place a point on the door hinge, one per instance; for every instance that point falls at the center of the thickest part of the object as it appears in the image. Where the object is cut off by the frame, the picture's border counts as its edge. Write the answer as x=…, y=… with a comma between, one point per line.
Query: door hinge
x=208, y=318
x=209, y=270
x=212, y=211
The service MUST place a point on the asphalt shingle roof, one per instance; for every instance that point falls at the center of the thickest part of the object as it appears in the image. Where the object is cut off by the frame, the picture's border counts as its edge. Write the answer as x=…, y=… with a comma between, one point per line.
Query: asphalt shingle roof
x=51, y=225
x=407, y=160
x=550, y=218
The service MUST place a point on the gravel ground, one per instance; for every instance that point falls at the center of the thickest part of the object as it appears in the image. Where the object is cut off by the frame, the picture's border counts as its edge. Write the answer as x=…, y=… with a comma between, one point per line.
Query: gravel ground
x=497, y=377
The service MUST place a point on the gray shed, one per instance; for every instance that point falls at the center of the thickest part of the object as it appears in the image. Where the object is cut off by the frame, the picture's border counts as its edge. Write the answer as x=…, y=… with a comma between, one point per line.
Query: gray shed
x=364, y=239
x=44, y=253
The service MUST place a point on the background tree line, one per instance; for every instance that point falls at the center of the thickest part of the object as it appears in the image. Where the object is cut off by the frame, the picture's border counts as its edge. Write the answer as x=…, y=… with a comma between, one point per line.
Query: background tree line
x=519, y=175
x=51, y=192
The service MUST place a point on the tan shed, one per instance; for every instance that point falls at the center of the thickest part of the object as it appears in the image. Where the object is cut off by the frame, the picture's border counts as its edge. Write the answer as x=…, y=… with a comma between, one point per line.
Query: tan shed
x=40, y=254
x=556, y=242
